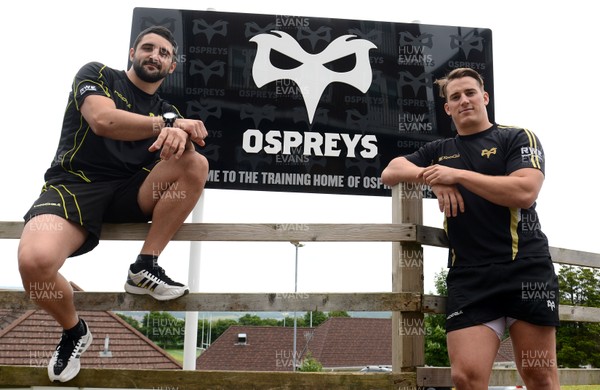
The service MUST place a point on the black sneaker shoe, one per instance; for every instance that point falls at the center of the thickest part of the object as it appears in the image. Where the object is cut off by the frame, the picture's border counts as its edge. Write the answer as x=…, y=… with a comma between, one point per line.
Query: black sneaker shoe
x=64, y=364
x=154, y=282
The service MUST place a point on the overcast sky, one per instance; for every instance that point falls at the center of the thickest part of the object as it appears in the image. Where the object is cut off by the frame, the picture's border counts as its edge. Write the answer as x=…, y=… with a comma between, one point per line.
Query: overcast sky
x=545, y=59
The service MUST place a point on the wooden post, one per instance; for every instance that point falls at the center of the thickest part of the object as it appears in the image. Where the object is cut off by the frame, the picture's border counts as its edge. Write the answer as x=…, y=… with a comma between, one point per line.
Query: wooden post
x=408, y=338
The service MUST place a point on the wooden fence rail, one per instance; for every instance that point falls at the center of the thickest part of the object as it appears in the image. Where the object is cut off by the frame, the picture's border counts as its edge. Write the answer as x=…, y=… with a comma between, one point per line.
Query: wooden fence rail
x=24, y=376
x=406, y=233
x=277, y=302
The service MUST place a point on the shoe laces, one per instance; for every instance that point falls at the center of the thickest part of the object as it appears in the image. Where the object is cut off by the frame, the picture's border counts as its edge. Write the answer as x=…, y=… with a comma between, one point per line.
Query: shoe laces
x=67, y=347
x=159, y=272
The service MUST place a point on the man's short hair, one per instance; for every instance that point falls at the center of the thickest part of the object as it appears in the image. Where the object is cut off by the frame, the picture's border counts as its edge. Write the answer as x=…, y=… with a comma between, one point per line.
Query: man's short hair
x=457, y=74
x=158, y=30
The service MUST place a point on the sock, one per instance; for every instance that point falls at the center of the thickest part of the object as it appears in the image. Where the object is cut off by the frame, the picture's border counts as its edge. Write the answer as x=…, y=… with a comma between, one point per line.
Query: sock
x=144, y=262
x=76, y=331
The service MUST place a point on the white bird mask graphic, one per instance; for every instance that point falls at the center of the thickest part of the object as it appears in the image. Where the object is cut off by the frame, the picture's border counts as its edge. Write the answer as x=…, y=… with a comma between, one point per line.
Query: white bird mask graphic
x=312, y=76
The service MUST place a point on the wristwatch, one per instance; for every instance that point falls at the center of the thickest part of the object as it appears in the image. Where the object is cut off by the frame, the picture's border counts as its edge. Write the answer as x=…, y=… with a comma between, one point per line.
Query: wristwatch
x=169, y=118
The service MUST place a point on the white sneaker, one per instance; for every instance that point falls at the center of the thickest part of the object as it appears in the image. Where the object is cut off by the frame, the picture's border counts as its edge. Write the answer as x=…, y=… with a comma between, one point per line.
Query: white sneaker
x=64, y=364
x=154, y=282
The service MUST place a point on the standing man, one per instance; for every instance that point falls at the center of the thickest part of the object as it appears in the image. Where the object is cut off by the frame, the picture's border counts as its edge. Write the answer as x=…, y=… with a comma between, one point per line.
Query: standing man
x=486, y=180
x=124, y=155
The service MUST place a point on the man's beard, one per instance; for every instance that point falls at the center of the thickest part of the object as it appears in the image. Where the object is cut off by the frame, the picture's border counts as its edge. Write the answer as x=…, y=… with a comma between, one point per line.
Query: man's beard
x=144, y=75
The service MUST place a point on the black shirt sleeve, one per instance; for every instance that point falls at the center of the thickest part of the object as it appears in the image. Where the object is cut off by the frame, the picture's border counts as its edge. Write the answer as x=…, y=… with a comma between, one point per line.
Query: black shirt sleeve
x=90, y=80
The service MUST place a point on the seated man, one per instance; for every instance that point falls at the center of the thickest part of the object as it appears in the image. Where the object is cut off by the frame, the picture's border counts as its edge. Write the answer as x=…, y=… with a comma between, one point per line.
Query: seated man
x=124, y=155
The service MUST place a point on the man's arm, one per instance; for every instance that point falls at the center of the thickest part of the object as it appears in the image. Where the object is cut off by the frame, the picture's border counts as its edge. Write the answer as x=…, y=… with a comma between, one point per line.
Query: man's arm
x=519, y=189
x=106, y=120
x=401, y=170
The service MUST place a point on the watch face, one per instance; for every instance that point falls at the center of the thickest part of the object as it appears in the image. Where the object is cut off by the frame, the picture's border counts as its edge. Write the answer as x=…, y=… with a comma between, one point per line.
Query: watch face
x=169, y=116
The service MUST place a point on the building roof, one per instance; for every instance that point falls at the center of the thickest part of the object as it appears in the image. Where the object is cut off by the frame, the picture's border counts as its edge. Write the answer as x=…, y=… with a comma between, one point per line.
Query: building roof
x=266, y=348
x=338, y=342
x=505, y=353
x=28, y=338
x=7, y=317
x=353, y=342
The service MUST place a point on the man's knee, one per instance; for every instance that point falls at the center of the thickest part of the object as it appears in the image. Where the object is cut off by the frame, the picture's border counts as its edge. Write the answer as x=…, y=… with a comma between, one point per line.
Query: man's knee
x=36, y=263
x=539, y=378
x=199, y=164
x=465, y=377
x=45, y=244
x=196, y=167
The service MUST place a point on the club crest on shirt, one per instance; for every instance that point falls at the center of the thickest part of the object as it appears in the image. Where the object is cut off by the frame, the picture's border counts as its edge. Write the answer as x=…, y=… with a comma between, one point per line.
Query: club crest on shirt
x=488, y=152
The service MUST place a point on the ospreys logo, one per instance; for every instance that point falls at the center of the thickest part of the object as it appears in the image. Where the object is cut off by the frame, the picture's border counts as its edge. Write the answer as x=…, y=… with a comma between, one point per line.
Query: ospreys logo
x=311, y=73
x=488, y=152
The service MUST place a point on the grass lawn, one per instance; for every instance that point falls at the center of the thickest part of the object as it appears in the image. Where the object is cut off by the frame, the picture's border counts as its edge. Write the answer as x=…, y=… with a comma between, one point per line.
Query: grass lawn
x=590, y=387
x=177, y=354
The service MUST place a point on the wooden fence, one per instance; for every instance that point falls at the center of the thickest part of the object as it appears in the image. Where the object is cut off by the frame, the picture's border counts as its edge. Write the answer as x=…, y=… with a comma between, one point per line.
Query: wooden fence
x=406, y=301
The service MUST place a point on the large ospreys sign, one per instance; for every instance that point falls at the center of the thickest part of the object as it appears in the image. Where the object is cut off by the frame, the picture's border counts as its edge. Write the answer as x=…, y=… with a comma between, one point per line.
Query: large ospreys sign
x=307, y=104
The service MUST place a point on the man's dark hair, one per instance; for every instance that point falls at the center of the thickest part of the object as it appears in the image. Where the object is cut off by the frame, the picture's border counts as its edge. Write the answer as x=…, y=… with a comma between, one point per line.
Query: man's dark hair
x=158, y=30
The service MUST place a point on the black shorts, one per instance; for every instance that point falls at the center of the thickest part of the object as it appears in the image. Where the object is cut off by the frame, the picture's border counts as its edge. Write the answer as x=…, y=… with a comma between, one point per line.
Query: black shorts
x=524, y=289
x=91, y=204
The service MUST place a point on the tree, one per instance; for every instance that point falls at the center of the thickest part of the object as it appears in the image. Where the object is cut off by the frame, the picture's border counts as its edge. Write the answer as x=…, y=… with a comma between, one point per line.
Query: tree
x=164, y=329
x=220, y=326
x=270, y=322
x=439, y=281
x=249, y=319
x=436, y=350
x=332, y=314
x=579, y=286
x=289, y=321
x=131, y=321
x=318, y=317
x=310, y=364
x=578, y=343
